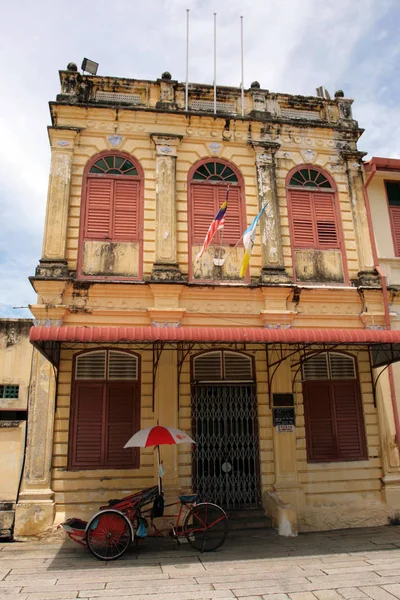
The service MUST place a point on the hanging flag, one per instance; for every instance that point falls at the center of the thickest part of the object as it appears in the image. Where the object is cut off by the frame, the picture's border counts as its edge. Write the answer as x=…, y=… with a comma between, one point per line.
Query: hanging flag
x=248, y=241
x=216, y=224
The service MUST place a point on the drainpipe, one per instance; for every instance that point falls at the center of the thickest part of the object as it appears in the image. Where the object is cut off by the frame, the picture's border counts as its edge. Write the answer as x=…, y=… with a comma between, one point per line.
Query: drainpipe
x=385, y=301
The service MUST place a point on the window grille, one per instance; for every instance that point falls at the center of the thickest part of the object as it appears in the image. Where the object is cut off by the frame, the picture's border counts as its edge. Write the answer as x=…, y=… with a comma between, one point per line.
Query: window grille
x=292, y=113
x=208, y=106
x=113, y=165
x=309, y=178
x=117, y=97
x=9, y=391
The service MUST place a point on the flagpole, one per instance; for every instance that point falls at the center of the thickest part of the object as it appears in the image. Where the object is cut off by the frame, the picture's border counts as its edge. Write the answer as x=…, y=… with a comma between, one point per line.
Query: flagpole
x=215, y=63
x=222, y=232
x=187, y=61
x=241, y=54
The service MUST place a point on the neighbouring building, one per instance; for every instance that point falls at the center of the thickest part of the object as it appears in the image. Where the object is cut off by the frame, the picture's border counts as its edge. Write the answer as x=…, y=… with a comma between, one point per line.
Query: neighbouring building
x=382, y=184
x=274, y=373
x=15, y=368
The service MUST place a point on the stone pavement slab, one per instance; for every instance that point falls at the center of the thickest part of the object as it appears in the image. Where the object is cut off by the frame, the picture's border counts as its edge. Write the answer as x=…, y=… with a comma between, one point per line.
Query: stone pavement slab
x=358, y=564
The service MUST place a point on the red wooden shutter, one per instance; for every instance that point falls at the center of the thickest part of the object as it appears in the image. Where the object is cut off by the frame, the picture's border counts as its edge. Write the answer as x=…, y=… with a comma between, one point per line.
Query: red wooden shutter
x=98, y=208
x=203, y=209
x=319, y=410
x=349, y=421
x=125, y=210
x=87, y=443
x=394, y=212
x=233, y=222
x=302, y=219
x=325, y=217
x=122, y=417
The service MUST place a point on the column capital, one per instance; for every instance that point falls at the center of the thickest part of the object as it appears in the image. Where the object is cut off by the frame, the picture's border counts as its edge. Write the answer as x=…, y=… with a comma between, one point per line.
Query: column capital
x=353, y=155
x=63, y=138
x=166, y=143
x=264, y=151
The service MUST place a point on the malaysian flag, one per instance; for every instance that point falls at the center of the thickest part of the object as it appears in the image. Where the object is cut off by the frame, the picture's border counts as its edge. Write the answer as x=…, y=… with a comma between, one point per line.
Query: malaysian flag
x=216, y=224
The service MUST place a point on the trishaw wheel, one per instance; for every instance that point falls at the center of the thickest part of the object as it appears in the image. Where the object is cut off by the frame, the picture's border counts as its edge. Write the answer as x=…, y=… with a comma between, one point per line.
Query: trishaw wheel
x=108, y=535
x=206, y=527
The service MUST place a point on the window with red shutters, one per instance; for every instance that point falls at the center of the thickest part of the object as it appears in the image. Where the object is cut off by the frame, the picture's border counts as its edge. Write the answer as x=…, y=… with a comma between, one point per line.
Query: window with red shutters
x=105, y=410
x=393, y=196
x=208, y=191
x=333, y=409
x=312, y=211
x=112, y=200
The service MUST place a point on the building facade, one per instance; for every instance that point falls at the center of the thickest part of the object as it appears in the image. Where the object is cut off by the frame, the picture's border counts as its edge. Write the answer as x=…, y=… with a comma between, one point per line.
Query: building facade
x=272, y=373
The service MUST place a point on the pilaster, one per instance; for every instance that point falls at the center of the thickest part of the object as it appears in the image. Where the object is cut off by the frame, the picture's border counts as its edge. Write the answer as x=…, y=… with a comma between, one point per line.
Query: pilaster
x=35, y=507
x=287, y=483
x=367, y=276
x=273, y=270
x=53, y=263
x=165, y=267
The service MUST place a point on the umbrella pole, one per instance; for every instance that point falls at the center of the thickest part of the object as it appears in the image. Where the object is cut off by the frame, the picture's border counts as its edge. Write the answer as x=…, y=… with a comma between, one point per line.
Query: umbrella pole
x=159, y=476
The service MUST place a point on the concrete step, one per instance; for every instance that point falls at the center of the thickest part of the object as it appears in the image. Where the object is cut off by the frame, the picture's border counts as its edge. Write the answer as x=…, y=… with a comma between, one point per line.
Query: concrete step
x=248, y=519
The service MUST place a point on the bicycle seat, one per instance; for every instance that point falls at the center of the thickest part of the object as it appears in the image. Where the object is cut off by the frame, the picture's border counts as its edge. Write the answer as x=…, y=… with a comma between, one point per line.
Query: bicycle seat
x=114, y=501
x=189, y=499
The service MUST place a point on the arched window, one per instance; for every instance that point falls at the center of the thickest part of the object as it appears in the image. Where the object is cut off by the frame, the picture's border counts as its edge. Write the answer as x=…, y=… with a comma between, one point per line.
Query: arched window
x=105, y=410
x=313, y=211
x=111, y=216
x=333, y=408
x=209, y=183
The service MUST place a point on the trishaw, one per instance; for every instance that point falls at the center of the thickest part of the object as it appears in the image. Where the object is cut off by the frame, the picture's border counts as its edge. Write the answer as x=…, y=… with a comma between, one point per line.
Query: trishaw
x=116, y=525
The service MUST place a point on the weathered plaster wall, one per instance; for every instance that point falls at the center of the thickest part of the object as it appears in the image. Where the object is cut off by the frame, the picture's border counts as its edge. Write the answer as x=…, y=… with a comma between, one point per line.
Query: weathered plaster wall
x=12, y=438
x=15, y=360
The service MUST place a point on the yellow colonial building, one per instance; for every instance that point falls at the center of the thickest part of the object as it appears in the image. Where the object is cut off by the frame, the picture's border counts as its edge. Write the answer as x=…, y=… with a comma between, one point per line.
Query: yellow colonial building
x=271, y=373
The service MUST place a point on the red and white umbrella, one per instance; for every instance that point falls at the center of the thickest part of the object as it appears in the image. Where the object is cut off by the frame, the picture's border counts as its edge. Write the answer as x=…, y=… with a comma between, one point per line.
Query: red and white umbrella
x=158, y=435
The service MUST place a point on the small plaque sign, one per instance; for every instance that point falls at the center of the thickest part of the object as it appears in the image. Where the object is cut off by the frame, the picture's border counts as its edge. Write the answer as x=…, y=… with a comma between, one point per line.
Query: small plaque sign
x=283, y=419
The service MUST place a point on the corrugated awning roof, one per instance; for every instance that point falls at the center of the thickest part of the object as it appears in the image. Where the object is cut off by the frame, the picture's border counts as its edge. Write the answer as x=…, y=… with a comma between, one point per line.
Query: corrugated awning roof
x=212, y=334
x=383, y=344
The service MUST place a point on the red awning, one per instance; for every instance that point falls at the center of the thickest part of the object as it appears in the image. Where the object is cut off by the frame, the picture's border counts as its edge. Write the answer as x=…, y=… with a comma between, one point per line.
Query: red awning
x=212, y=334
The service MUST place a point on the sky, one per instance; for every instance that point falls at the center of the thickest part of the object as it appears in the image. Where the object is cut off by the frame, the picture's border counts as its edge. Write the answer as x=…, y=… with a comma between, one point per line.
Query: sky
x=290, y=46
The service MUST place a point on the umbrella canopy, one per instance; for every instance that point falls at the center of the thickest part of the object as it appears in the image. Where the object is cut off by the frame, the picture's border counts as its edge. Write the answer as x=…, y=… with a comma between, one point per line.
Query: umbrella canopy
x=158, y=435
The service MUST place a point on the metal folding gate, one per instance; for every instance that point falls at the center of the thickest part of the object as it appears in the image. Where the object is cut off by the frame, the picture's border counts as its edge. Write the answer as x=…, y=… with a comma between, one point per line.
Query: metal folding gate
x=226, y=463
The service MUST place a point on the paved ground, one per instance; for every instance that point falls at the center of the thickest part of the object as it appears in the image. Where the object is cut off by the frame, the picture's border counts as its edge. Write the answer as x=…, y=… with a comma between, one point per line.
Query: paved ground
x=336, y=565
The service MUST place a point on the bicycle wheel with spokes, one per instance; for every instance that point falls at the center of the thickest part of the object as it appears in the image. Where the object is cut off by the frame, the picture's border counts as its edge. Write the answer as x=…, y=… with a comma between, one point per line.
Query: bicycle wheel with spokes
x=108, y=535
x=206, y=527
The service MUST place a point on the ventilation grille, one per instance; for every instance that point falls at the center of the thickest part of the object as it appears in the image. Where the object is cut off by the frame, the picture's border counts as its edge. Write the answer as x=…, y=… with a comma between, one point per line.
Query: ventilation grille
x=122, y=366
x=238, y=367
x=342, y=367
x=316, y=367
x=115, y=97
x=91, y=366
x=291, y=113
x=207, y=367
x=208, y=106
